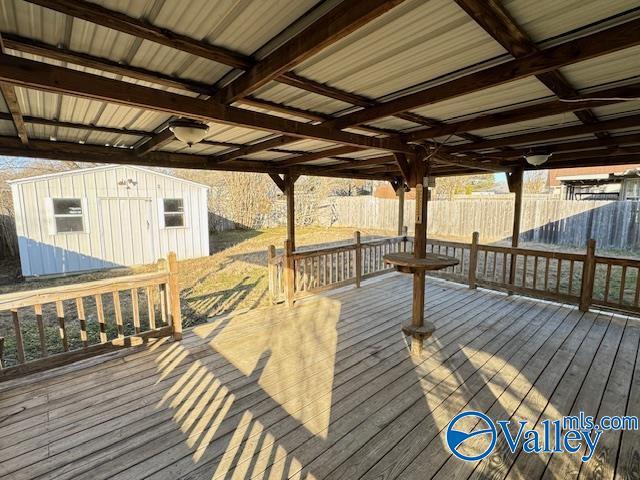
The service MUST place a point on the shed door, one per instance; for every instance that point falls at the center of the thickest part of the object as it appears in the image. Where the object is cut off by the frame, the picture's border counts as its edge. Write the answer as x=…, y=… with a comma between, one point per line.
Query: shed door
x=126, y=226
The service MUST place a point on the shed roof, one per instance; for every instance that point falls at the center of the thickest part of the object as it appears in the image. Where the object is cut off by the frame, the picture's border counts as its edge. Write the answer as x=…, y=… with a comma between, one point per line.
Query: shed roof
x=101, y=168
x=278, y=81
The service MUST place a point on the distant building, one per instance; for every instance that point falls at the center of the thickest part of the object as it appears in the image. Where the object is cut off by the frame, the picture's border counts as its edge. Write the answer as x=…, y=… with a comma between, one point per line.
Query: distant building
x=106, y=217
x=615, y=182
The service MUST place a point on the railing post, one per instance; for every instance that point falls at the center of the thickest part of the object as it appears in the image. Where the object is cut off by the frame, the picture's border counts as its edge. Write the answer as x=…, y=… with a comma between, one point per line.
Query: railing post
x=588, y=276
x=174, y=296
x=289, y=273
x=358, y=255
x=271, y=253
x=1, y=351
x=473, y=259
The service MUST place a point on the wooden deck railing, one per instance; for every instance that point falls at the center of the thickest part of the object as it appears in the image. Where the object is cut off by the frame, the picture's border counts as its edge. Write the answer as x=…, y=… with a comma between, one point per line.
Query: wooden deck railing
x=94, y=311
x=584, y=279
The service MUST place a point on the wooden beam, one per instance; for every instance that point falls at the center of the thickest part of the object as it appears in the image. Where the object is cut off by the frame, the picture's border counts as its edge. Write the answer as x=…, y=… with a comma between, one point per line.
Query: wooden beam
x=51, y=78
x=279, y=181
x=139, y=28
x=574, y=146
x=477, y=163
x=622, y=122
x=310, y=157
x=11, y=99
x=497, y=22
x=350, y=164
x=515, y=181
x=253, y=148
x=530, y=112
x=343, y=19
x=404, y=166
x=157, y=142
x=590, y=46
x=123, y=156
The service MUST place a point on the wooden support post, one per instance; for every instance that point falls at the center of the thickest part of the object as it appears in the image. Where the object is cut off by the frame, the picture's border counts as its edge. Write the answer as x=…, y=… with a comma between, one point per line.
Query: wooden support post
x=588, y=276
x=174, y=296
x=400, y=193
x=289, y=192
x=289, y=273
x=273, y=291
x=473, y=259
x=358, y=259
x=418, y=329
x=405, y=238
x=515, y=182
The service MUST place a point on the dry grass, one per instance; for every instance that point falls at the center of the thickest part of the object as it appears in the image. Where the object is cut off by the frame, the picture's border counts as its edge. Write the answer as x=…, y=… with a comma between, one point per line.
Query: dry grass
x=232, y=278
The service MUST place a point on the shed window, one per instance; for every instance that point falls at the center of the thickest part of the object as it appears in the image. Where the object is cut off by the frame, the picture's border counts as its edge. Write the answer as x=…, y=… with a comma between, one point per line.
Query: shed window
x=173, y=212
x=632, y=189
x=68, y=214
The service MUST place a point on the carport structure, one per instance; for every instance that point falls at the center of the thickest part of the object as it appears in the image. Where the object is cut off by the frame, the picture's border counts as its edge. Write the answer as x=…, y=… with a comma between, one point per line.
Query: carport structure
x=386, y=90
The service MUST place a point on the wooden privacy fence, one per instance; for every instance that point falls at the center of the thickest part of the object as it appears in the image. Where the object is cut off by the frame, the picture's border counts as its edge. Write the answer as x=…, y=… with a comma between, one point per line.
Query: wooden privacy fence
x=584, y=279
x=94, y=311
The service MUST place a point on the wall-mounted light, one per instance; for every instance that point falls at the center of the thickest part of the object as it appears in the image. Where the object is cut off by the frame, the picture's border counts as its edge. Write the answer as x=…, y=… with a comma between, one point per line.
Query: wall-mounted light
x=189, y=131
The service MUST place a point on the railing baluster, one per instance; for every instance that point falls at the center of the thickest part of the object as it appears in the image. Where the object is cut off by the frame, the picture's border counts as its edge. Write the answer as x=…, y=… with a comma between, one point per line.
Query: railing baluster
x=558, y=275
x=151, y=308
x=19, y=343
x=535, y=272
x=504, y=267
x=136, y=310
x=118, y=314
x=571, y=267
x=163, y=304
x=62, y=329
x=607, y=283
x=636, y=299
x=546, y=275
x=524, y=270
x=41, y=331
x=83, y=322
x=623, y=279
x=101, y=324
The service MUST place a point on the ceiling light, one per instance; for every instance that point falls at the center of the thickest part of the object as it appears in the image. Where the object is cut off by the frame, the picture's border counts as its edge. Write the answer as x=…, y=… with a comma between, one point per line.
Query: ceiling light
x=189, y=131
x=537, y=157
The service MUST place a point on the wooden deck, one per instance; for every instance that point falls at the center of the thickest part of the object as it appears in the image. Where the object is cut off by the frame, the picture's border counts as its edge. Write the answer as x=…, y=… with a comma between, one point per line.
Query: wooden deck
x=327, y=390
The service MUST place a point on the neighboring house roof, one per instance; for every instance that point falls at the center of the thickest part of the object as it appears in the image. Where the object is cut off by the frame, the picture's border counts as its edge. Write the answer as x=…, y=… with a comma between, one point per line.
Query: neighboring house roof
x=555, y=175
x=101, y=168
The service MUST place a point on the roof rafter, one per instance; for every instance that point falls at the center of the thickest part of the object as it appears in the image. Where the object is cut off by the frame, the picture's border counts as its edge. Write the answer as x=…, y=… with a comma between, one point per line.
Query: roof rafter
x=628, y=121
x=590, y=46
x=530, y=112
x=60, y=80
x=310, y=157
x=498, y=23
x=100, y=154
x=11, y=99
x=346, y=17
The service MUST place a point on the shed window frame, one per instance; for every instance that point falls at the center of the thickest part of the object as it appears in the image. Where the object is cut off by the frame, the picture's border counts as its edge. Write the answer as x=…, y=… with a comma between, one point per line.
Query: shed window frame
x=80, y=215
x=180, y=213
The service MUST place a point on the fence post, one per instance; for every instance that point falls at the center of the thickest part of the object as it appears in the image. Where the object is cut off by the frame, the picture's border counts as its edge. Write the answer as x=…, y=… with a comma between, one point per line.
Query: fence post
x=588, y=276
x=289, y=273
x=358, y=255
x=473, y=259
x=174, y=296
x=271, y=253
x=1, y=351
x=405, y=240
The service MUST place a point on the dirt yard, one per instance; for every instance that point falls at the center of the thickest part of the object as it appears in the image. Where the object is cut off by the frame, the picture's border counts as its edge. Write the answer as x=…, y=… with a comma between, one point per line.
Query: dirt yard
x=232, y=278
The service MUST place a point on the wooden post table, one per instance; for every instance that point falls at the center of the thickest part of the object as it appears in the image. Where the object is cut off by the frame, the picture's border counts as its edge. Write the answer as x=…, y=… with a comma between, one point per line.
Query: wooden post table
x=408, y=263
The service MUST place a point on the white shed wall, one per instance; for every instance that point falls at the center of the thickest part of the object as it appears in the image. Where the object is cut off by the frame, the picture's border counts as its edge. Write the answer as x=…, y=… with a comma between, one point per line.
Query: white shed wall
x=43, y=252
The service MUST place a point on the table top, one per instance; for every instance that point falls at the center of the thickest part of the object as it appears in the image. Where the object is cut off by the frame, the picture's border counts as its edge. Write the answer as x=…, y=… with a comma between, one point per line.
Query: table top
x=432, y=261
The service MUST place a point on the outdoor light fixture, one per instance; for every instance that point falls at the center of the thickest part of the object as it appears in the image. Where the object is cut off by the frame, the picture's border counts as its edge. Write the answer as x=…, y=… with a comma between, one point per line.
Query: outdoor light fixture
x=189, y=131
x=537, y=157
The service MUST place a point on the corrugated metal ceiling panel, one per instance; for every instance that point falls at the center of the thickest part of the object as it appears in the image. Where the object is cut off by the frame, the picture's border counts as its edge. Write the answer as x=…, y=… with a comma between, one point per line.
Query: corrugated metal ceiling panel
x=544, y=19
x=6, y=128
x=414, y=42
x=501, y=96
x=294, y=97
x=544, y=123
x=606, y=69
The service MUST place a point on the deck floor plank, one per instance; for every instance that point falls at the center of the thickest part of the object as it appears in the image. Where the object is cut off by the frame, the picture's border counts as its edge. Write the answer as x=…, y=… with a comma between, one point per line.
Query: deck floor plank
x=328, y=390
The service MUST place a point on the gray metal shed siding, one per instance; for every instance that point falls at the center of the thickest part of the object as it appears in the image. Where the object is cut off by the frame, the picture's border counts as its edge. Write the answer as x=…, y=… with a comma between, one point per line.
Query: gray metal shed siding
x=43, y=252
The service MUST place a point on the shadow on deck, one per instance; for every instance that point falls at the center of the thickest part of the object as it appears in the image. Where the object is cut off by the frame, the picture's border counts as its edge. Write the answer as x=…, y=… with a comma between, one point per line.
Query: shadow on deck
x=328, y=390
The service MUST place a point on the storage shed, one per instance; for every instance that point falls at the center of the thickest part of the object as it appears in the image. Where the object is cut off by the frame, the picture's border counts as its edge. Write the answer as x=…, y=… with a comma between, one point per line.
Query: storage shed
x=106, y=217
